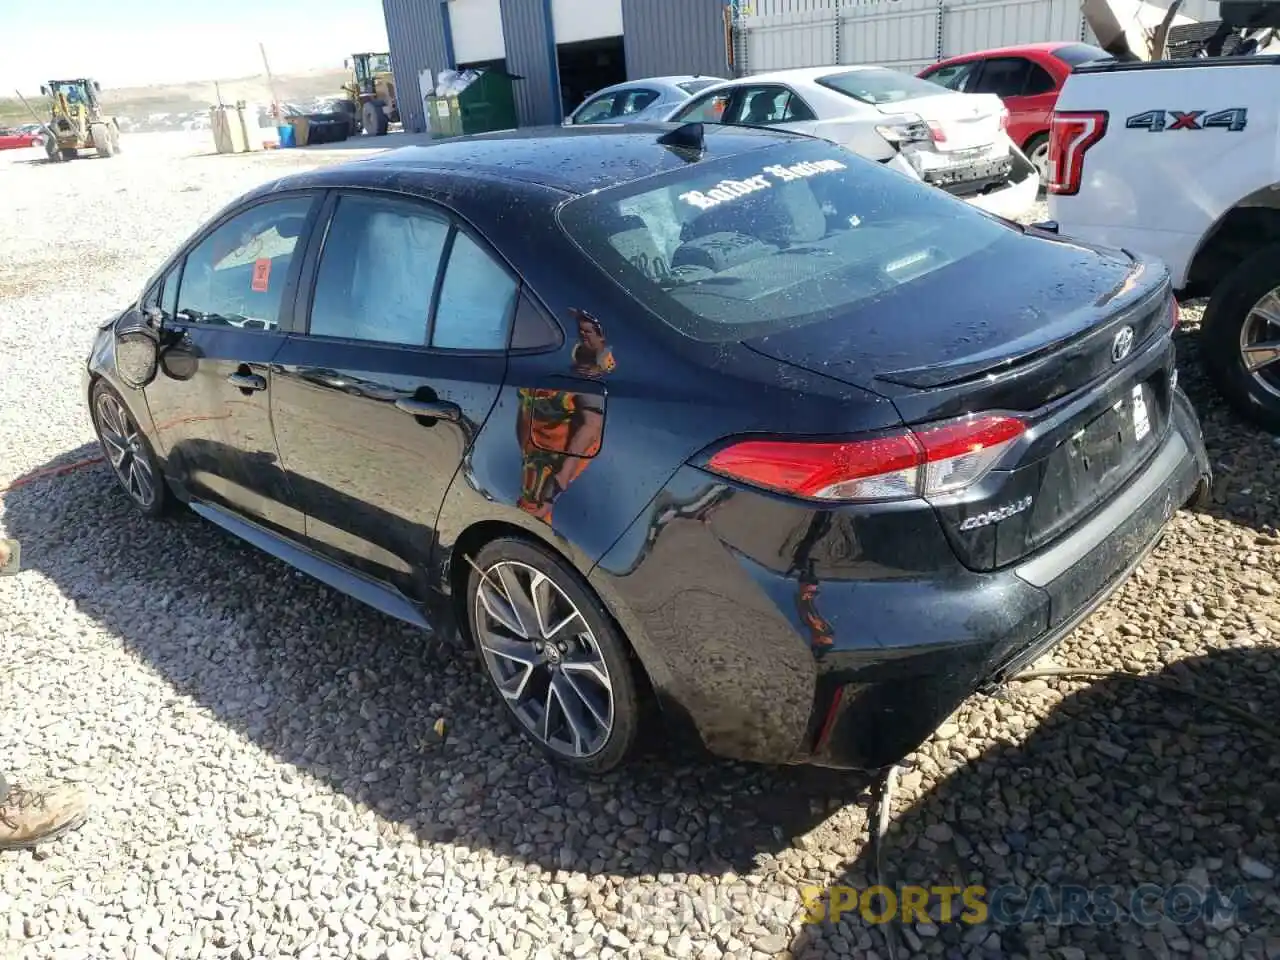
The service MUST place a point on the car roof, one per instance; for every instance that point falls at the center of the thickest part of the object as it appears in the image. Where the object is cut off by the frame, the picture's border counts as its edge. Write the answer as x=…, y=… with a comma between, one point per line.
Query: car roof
x=1045, y=47
x=801, y=73
x=571, y=160
x=669, y=82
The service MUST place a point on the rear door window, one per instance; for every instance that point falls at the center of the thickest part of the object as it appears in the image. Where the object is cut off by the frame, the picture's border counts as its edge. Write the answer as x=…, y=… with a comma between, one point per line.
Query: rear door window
x=1003, y=76
x=634, y=101
x=773, y=239
x=767, y=105
x=378, y=271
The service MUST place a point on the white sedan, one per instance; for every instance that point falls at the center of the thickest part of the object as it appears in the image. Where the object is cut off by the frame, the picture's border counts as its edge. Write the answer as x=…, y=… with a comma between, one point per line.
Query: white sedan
x=955, y=141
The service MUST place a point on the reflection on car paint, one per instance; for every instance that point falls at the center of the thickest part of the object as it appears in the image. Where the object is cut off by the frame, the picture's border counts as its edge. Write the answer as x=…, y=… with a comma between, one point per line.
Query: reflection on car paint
x=821, y=636
x=561, y=430
x=592, y=356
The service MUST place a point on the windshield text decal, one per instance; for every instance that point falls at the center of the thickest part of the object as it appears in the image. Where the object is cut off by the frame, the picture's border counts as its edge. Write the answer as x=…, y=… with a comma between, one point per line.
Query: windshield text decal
x=727, y=190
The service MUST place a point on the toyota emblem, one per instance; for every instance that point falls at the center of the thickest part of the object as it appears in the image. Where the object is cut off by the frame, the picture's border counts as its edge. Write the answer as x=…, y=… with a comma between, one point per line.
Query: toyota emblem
x=1122, y=344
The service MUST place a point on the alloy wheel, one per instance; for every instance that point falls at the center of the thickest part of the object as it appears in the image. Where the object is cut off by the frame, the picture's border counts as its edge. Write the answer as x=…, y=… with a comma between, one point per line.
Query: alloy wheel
x=126, y=451
x=1039, y=158
x=1260, y=341
x=544, y=659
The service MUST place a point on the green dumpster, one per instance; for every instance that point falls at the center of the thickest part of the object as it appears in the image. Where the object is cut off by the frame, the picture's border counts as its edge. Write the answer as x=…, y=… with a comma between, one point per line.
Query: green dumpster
x=487, y=103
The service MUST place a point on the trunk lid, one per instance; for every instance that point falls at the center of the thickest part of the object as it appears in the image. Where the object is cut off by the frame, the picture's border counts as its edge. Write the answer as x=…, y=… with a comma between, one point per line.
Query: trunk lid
x=1047, y=342
x=967, y=120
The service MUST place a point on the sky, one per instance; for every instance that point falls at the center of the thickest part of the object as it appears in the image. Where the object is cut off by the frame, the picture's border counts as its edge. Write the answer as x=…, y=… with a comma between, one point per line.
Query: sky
x=124, y=43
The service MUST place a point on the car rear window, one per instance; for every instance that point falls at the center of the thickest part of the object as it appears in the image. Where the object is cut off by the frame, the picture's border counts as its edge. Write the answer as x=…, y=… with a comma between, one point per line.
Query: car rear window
x=1078, y=53
x=694, y=86
x=877, y=85
x=774, y=238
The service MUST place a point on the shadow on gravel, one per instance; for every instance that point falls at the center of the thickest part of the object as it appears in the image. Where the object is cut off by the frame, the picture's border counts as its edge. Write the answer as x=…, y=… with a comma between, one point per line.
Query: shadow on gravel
x=1125, y=783
x=350, y=697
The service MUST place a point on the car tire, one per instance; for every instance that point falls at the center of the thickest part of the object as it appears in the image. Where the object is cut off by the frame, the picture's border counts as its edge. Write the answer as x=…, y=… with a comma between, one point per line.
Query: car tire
x=1037, y=151
x=128, y=451
x=1231, y=322
x=573, y=694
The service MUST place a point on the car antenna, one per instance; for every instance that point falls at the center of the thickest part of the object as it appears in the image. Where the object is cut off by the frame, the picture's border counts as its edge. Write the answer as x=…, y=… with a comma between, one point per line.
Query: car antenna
x=688, y=136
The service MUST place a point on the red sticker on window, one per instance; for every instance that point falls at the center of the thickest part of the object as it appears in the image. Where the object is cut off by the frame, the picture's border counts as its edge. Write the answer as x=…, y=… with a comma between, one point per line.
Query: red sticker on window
x=261, y=275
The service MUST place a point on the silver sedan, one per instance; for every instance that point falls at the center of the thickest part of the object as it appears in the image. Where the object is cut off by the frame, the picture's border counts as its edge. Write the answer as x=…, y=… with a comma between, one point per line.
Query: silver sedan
x=637, y=100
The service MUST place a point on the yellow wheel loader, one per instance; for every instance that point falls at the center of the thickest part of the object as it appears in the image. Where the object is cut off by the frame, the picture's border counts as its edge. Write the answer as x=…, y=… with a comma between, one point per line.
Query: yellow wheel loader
x=77, y=122
x=371, y=93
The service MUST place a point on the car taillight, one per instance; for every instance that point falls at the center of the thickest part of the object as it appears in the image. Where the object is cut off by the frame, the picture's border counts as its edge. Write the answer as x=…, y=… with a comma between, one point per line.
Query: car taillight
x=1071, y=134
x=917, y=462
x=1004, y=118
x=938, y=134
x=1175, y=313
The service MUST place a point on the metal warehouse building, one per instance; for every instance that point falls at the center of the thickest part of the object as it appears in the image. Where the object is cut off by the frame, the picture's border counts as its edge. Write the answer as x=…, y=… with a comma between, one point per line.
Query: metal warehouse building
x=563, y=49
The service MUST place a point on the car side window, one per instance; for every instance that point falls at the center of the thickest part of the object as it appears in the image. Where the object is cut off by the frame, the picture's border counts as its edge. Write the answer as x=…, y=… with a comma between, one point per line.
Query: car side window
x=236, y=276
x=596, y=111
x=1039, y=81
x=377, y=271
x=634, y=101
x=1003, y=76
x=952, y=76
x=709, y=108
x=476, y=300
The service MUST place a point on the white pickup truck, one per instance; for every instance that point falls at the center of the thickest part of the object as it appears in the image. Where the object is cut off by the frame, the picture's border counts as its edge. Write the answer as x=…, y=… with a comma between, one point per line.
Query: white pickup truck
x=1180, y=159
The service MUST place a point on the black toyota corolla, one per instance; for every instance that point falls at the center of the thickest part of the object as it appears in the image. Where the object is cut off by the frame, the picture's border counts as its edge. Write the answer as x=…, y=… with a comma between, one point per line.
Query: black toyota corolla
x=729, y=422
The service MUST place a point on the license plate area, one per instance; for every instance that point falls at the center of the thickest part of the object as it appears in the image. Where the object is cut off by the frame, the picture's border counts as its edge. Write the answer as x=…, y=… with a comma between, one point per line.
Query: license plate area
x=1095, y=459
x=981, y=171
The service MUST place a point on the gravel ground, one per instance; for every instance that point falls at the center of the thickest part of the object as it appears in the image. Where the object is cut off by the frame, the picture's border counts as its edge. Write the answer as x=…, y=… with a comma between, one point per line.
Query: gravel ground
x=269, y=783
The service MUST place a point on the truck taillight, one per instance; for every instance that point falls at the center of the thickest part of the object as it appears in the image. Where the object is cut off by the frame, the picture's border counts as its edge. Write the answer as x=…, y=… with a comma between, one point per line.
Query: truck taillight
x=1071, y=134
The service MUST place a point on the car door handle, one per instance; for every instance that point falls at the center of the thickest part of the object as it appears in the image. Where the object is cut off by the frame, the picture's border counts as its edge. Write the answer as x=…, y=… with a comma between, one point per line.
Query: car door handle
x=434, y=409
x=247, y=381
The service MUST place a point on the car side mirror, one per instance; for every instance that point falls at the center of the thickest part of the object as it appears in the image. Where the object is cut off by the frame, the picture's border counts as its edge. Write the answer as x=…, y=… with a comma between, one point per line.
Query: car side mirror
x=138, y=347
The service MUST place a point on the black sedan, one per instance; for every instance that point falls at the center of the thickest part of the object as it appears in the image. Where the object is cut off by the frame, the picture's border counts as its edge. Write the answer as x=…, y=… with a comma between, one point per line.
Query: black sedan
x=727, y=422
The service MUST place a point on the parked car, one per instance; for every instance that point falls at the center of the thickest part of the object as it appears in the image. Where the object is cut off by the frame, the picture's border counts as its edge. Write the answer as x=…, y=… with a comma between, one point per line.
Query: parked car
x=11, y=139
x=1196, y=188
x=950, y=140
x=1027, y=78
x=638, y=100
x=726, y=420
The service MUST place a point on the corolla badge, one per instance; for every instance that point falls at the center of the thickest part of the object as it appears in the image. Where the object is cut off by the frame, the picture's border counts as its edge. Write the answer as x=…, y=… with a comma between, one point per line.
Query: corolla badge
x=1122, y=344
x=995, y=516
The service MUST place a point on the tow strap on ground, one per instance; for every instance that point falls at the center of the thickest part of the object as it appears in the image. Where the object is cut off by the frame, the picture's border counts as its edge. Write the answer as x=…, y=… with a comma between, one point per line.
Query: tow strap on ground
x=50, y=472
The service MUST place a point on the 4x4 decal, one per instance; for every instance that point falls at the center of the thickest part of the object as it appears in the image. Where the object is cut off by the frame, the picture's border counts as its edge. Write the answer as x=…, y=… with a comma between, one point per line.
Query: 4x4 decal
x=1158, y=121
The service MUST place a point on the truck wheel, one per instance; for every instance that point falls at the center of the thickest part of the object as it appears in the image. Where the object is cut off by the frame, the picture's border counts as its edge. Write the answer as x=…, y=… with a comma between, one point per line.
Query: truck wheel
x=375, y=118
x=1241, y=338
x=101, y=134
x=115, y=138
x=51, y=150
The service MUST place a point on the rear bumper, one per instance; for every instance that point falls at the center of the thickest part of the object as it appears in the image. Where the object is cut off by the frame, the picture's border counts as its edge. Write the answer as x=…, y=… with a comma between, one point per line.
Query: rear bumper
x=872, y=720
x=1016, y=197
x=842, y=637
